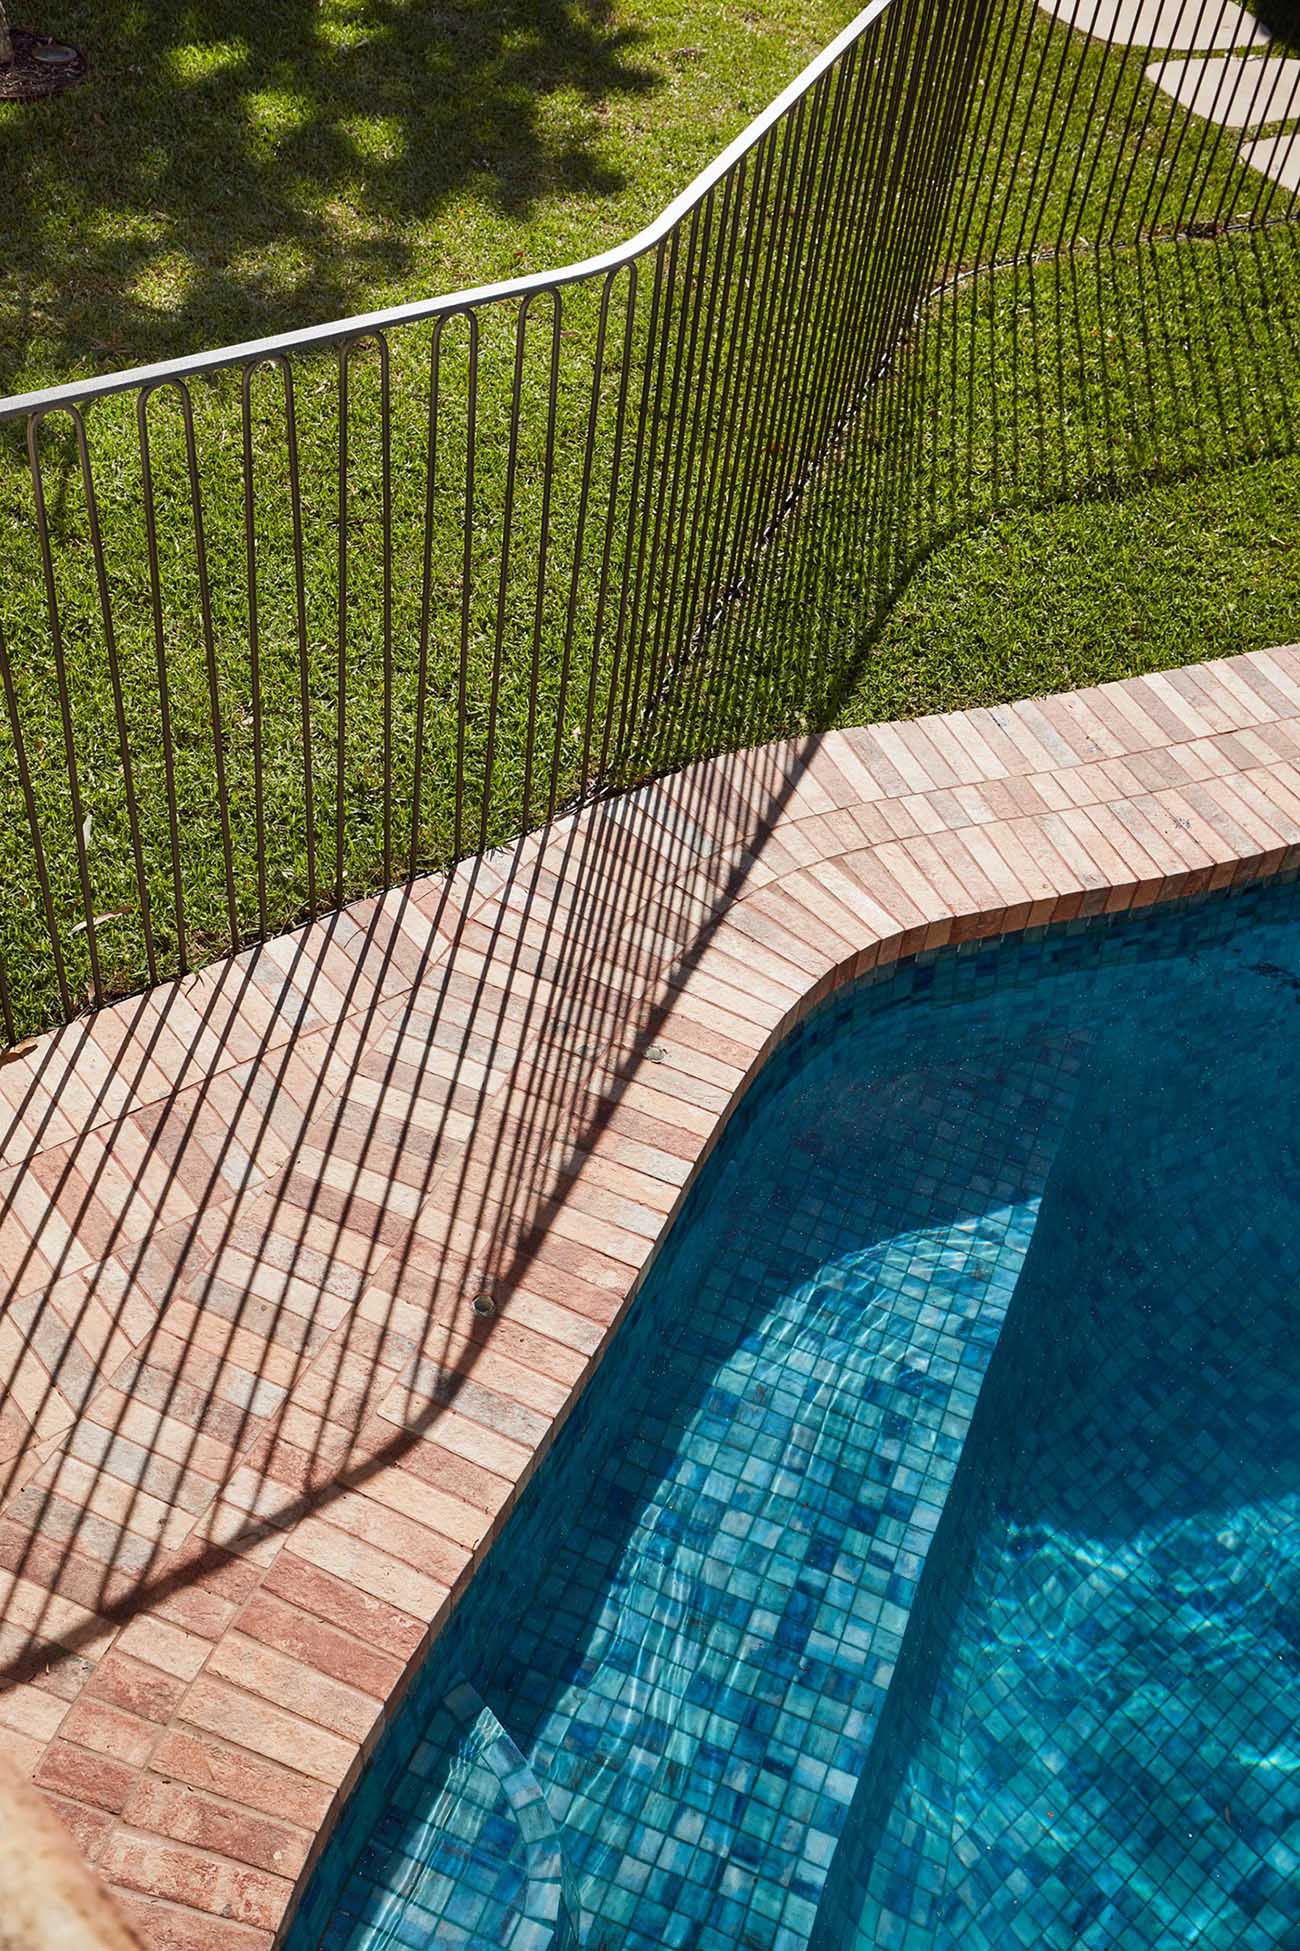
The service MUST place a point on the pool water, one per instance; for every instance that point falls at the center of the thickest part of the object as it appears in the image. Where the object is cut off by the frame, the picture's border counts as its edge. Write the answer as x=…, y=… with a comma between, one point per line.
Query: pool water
x=922, y=1566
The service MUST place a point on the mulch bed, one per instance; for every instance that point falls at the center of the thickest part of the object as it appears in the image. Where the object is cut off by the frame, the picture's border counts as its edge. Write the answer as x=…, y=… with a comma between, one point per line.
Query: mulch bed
x=30, y=77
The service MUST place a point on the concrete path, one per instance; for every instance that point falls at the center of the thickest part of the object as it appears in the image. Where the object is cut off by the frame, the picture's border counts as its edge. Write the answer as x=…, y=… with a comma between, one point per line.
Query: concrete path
x=1236, y=94
x=1183, y=25
x=1277, y=156
x=1229, y=89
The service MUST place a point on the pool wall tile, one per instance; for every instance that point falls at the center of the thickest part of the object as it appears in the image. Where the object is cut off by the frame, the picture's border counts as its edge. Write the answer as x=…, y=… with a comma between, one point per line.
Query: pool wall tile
x=735, y=1779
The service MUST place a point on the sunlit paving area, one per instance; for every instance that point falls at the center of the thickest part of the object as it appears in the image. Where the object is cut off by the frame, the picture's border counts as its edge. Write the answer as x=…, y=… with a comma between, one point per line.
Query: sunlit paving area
x=649, y=945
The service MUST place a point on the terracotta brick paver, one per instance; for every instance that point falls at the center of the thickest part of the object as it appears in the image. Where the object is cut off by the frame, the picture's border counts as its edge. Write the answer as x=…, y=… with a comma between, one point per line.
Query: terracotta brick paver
x=254, y=1435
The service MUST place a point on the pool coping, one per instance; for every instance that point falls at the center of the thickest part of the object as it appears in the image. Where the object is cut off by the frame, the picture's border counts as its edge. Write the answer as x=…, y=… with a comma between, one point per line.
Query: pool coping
x=309, y=1256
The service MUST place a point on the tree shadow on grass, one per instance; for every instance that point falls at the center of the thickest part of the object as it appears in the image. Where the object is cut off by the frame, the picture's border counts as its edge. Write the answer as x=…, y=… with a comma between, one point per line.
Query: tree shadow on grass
x=228, y=170
x=1282, y=19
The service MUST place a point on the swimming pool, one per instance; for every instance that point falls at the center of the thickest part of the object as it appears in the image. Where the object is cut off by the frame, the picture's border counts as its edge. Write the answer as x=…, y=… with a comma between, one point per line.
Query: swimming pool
x=922, y=1566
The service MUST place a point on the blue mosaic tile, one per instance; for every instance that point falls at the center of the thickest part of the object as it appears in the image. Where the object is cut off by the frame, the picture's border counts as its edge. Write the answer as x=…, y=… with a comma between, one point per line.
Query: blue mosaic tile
x=465, y=1852
x=922, y=1566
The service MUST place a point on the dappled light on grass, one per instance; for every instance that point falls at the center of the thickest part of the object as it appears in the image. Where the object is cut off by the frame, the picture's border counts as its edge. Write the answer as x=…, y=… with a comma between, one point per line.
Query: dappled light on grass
x=351, y=139
x=310, y=161
x=289, y=630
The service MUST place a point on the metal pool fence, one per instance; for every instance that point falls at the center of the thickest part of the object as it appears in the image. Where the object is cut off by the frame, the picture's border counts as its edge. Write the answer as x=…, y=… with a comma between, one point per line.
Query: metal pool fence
x=289, y=621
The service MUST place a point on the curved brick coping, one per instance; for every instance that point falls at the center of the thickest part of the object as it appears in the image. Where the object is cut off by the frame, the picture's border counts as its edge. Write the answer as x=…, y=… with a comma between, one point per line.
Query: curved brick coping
x=254, y=1435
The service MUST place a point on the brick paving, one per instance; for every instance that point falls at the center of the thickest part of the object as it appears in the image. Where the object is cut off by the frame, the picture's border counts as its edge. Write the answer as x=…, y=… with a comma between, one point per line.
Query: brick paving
x=255, y=1432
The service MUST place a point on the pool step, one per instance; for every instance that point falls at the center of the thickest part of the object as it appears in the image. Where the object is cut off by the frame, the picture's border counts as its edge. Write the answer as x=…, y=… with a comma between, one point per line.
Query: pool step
x=466, y=1855
x=730, y=1557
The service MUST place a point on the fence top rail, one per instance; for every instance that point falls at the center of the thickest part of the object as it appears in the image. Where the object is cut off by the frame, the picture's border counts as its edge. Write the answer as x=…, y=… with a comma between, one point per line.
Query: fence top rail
x=311, y=337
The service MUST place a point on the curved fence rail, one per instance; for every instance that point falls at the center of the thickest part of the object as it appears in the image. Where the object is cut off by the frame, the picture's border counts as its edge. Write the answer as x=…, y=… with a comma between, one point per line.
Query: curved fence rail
x=290, y=621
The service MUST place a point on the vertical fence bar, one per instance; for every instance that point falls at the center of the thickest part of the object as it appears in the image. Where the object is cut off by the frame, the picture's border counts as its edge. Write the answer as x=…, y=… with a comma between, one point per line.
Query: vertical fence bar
x=300, y=619
x=684, y=447
x=65, y=705
x=643, y=624
x=754, y=408
x=634, y=548
x=543, y=552
x=466, y=579
x=678, y=621
x=602, y=593
x=160, y=666
x=832, y=283
x=579, y=540
x=34, y=832
x=503, y=577
x=386, y=538
x=115, y=685
x=254, y=645
x=341, y=636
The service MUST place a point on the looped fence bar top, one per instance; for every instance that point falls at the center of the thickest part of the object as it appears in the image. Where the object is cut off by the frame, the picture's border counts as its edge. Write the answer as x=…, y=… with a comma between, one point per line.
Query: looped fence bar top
x=288, y=622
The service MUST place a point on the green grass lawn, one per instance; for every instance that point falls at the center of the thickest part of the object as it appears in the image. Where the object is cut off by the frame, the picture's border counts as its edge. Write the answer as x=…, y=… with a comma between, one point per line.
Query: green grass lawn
x=1079, y=466
x=1093, y=590
x=231, y=170
x=1111, y=487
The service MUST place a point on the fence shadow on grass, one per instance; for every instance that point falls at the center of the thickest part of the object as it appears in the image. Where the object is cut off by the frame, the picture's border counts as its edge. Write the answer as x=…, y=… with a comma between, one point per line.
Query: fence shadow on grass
x=1134, y=369
x=227, y=166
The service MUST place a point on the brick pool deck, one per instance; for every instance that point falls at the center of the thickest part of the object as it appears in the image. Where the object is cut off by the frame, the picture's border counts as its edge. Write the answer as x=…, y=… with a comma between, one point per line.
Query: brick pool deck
x=253, y=1434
